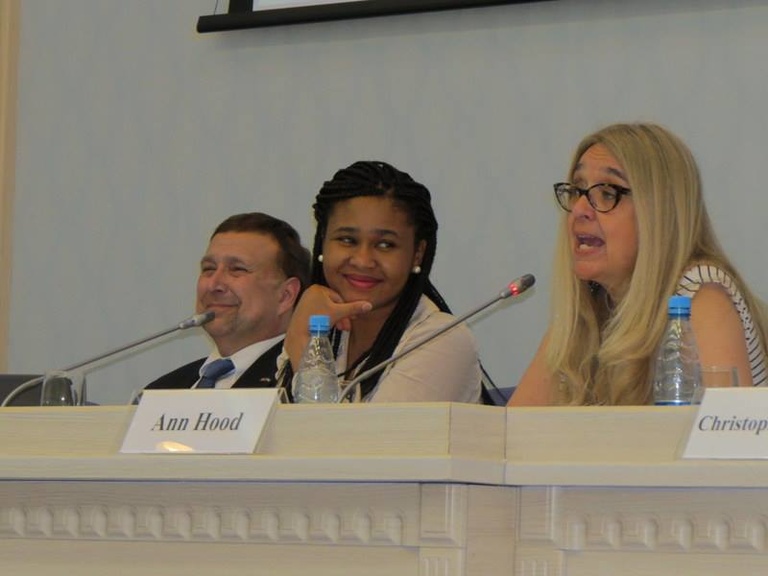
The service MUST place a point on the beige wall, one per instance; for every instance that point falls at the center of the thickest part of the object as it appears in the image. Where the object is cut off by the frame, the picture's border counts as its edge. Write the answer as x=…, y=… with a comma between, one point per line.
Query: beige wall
x=9, y=45
x=130, y=150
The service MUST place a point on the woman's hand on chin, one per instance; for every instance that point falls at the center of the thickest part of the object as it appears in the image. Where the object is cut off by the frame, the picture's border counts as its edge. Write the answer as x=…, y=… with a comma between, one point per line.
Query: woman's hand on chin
x=322, y=300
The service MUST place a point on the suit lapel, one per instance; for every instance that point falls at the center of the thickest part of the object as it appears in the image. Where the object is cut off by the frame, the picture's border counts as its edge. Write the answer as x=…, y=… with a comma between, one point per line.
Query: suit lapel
x=261, y=374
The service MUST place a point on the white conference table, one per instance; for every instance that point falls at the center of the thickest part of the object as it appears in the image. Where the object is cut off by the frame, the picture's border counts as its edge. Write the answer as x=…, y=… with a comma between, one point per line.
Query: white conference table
x=402, y=489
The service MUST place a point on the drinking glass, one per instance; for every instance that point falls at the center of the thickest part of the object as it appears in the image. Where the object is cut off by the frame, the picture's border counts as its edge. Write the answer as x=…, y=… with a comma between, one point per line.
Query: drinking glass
x=58, y=389
x=719, y=376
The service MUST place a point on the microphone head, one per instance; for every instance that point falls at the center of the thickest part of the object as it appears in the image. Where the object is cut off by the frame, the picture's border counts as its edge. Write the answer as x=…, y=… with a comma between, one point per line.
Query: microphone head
x=518, y=286
x=197, y=320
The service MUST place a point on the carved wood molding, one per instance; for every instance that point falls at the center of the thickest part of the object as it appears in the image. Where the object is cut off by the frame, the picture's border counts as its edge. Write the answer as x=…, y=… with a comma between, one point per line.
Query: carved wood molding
x=394, y=515
x=441, y=561
x=348, y=526
x=538, y=562
x=443, y=514
x=672, y=520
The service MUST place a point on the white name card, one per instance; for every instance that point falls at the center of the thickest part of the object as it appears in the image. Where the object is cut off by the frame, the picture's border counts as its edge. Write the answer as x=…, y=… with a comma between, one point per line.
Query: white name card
x=731, y=423
x=199, y=421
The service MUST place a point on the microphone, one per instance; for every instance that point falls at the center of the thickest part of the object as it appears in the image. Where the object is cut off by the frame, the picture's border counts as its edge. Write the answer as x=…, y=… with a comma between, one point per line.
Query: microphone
x=191, y=322
x=514, y=289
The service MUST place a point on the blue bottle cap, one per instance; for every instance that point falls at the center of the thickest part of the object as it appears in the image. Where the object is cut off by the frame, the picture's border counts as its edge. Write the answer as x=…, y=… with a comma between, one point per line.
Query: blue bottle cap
x=679, y=305
x=319, y=323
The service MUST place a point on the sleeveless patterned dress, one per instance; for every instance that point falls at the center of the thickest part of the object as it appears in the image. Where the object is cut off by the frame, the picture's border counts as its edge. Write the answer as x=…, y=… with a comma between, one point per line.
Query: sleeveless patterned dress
x=694, y=278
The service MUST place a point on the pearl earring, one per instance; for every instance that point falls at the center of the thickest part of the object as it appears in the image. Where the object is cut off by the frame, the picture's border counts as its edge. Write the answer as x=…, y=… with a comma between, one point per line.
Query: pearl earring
x=320, y=258
x=416, y=269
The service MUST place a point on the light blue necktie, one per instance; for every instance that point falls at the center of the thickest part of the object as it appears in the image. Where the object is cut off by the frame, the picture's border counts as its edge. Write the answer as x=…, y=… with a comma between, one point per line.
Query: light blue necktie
x=214, y=371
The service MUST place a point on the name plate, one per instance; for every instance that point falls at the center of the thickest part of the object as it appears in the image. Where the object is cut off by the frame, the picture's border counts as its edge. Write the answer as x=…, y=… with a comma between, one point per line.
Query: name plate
x=731, y=423
x=199, y=421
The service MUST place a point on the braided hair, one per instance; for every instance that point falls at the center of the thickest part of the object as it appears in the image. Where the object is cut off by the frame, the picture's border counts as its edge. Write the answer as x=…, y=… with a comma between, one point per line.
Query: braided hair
x=373, y=178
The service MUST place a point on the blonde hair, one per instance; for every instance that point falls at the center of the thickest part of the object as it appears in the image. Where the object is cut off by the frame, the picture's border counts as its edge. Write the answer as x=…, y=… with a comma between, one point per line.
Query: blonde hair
x=600, y=355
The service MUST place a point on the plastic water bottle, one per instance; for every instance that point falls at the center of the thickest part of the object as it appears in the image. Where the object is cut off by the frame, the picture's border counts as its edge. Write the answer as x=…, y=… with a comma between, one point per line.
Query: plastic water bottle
x=315, y=380
x=677, y=378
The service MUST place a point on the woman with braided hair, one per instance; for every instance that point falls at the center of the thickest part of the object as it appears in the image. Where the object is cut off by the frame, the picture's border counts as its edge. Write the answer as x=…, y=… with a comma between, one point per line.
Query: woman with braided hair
x=373, y=251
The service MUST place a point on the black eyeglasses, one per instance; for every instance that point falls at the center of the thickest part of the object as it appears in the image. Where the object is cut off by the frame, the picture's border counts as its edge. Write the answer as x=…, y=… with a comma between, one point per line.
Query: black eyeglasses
x=602, y=197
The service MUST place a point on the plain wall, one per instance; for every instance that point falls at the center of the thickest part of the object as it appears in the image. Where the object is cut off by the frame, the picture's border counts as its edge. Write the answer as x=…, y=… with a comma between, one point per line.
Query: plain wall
x=136, y=136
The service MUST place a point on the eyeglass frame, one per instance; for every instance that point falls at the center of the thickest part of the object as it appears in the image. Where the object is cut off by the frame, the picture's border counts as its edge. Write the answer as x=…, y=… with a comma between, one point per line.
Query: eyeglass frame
x=616, y=188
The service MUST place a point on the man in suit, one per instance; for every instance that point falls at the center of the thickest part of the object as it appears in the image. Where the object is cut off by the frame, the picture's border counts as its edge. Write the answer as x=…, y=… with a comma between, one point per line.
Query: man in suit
x=251, y=276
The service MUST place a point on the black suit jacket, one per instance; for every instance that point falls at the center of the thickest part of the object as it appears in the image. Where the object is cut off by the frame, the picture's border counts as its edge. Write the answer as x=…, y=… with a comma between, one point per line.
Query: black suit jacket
x=261, y=374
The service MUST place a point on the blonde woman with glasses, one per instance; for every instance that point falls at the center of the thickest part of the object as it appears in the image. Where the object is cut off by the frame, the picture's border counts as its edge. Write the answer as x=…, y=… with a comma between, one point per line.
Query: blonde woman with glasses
x=635, y=231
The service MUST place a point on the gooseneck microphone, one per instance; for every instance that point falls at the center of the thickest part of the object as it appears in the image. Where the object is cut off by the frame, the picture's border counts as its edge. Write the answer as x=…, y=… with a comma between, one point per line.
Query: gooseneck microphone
x=191, y=322
x=514, y=289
